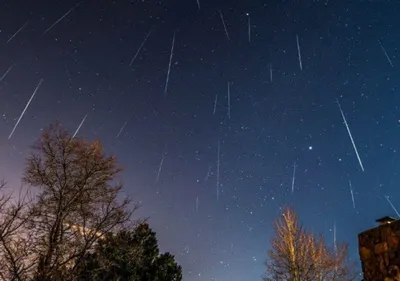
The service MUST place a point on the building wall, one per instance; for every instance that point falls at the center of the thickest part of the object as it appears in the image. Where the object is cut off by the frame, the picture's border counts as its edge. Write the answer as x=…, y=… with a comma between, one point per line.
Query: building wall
x=379, y=250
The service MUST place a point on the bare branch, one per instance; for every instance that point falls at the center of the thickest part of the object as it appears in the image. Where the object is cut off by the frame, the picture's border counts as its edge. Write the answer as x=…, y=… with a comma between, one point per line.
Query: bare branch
x=77, y=204
x=15, y=252
x=297, y=255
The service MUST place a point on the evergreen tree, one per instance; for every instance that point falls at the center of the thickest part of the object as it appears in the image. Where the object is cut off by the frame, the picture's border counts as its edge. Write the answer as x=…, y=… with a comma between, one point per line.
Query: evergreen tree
x=130, y=255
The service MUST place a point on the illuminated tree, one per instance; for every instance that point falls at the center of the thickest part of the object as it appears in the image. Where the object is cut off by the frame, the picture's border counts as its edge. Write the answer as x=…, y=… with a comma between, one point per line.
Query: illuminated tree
x=297, y=255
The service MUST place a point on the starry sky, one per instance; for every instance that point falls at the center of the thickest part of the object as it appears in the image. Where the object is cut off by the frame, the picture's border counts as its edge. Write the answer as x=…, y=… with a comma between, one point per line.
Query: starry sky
x=220, y=112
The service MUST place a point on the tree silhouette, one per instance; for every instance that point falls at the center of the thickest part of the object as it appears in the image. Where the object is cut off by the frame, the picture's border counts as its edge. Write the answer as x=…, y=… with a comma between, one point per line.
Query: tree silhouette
x=130, y=255
x=75, y=228
x=76, y=202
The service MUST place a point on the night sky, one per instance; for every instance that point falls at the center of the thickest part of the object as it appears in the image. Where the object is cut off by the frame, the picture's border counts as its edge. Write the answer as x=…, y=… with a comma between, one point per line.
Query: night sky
x=216, y=139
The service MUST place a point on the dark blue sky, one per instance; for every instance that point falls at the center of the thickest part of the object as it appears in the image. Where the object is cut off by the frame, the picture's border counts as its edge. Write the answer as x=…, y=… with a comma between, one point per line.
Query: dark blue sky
x=348, y=51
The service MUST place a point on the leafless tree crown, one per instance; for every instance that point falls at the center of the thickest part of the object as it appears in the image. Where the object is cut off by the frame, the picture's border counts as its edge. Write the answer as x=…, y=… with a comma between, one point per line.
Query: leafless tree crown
x=77, y=203
x=297, y=255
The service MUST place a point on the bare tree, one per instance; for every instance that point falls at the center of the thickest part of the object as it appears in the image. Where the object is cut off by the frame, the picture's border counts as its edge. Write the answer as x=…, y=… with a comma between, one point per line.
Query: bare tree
x=17, y=259
x=297, y=255
x=77, y=201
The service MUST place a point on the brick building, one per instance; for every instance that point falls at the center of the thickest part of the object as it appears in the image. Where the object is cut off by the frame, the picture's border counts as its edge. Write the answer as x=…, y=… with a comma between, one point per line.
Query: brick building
x=379, y=250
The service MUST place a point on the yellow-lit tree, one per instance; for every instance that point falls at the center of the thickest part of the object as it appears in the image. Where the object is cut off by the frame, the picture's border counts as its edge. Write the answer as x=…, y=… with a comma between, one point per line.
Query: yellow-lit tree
x=298, y=255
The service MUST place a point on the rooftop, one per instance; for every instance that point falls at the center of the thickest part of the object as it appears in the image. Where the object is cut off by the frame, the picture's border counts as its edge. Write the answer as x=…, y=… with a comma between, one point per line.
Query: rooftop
x=385, y=219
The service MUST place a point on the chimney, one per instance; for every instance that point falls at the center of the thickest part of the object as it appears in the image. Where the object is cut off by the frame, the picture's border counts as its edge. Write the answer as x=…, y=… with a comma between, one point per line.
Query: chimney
x=385, y=220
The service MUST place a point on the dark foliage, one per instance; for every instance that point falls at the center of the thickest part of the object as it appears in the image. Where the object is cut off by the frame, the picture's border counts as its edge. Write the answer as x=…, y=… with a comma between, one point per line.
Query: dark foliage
x=130, y=255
